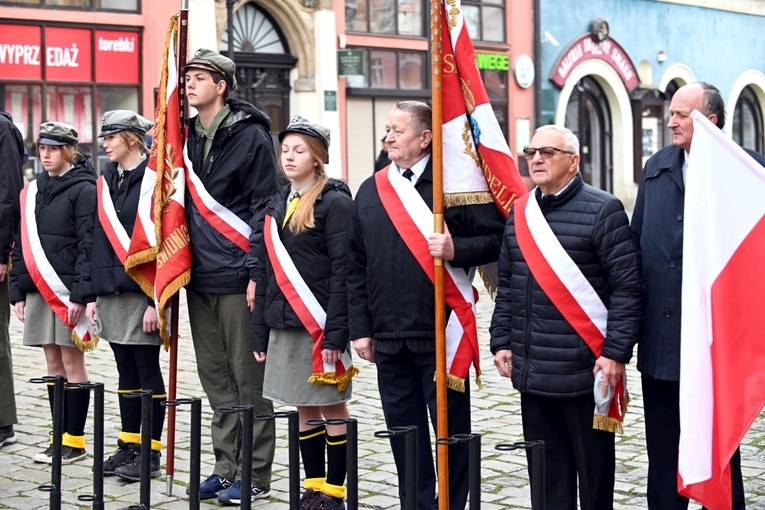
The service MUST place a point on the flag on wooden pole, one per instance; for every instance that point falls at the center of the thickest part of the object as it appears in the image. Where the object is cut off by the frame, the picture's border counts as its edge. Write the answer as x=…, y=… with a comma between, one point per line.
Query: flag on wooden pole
x=160, y=236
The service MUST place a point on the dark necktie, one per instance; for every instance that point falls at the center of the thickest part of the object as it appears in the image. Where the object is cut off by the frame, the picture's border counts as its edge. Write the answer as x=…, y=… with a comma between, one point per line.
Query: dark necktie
x=408, y=174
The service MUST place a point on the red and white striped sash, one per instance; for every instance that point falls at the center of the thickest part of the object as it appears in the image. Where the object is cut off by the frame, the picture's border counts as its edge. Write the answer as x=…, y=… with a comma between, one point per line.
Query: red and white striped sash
x=216, y=214
x=51, y=288
x=413, y=221
x=107, y=215
x=569, y=290
x=307, y=308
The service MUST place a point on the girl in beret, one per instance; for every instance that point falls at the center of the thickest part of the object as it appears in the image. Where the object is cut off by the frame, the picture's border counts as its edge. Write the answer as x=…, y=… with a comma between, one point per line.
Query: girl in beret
x=123, y=314
x=48, y=266
x=300, y=324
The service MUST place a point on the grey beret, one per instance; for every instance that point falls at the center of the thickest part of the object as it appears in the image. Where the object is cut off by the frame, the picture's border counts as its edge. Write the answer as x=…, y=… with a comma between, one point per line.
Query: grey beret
x=124, y=120
x=57, y=133
x=303, y=126
x=213, y=61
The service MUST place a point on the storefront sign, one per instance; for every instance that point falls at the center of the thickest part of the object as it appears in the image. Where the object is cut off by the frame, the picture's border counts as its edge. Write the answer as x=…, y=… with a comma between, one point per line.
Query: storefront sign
x=67, y=54
x=585, y=48
x=116, y=57
x=492, y=61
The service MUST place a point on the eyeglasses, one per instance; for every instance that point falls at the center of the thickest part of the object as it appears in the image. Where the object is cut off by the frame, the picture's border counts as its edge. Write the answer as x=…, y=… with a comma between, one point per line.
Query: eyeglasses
x=546, y=152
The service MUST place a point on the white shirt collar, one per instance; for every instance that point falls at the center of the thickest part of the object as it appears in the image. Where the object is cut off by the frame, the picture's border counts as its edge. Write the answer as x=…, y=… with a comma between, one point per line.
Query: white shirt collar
x=417, y=169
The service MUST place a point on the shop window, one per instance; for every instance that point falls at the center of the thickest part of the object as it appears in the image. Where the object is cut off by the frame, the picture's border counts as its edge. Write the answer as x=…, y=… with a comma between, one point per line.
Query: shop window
x=392, y=17
x=98, y=5
x=496, y=87
x=392, y=70
x=649, y=111
x=747, y=121
x=485, y=19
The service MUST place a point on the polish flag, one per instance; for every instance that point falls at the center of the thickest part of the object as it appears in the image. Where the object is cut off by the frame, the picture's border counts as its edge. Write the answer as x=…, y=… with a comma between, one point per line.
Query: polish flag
x=722, y=375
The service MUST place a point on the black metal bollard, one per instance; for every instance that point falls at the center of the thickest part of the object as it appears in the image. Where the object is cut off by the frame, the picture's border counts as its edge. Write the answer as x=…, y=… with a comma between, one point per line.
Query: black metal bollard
x=351, y=457
x=474, y=467
x=537, y=464
x=54, y=487
x=97, y=498
x=410, y=447
x=146, y=414
x=293, y=446
x=195, y=462
x=246, y=454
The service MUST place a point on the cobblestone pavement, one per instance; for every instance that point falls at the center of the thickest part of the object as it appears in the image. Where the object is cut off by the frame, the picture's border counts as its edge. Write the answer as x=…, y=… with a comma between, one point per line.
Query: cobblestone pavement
x=496, y=415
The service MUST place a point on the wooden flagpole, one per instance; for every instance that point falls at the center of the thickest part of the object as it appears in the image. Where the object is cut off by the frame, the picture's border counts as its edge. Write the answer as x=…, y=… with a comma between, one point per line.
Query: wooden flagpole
x=442, y=428
x=175, y=300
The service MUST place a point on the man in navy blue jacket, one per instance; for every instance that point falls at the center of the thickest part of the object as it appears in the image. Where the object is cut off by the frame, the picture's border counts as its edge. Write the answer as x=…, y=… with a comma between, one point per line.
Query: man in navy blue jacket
x=657, y=227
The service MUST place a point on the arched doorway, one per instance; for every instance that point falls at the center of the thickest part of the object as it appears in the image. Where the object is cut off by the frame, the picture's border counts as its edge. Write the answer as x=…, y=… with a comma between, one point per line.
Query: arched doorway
x=747, y=121
x=589, y=117
x=263, y=64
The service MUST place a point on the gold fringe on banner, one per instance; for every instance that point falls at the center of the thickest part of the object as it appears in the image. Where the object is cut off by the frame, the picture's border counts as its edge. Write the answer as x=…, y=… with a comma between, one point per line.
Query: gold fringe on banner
x=85, y=346
x=467, y=198
x=332, y=378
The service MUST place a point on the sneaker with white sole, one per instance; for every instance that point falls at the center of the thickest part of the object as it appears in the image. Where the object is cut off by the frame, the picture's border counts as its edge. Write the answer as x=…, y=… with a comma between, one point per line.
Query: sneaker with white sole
x=7, y=435
x=71, y=454
x=45, y=456
x=233, y=495
x=211, y=487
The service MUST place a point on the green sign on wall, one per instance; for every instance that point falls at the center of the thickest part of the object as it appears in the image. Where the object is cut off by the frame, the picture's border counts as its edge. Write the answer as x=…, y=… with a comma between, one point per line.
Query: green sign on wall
x=351, y=62
x=492, y=61
x=330, y=100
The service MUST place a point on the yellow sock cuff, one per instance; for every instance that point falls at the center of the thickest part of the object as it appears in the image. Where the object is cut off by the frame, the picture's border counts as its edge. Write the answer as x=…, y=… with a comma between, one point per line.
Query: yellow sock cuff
x=336, y=491
x=156, y=445
x=317, y=433
x=336, y=443
x=162, y=396
x=130, y=437
x=128, y=391
x=314, y=483
x=73, y=441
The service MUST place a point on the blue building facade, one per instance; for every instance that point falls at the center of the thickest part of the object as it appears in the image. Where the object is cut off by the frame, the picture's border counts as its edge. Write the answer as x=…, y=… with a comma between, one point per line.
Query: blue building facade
x=608, y=69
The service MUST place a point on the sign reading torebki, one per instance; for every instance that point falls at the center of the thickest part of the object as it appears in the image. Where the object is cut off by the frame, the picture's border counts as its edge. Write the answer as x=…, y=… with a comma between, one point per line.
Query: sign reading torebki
x=67, y=54
x=585, y=48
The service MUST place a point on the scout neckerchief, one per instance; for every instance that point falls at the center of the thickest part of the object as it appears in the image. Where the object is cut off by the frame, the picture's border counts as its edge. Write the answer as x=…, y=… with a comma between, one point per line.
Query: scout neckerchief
x=307, y=308
x=48, y=283
x=413, y=220
x=228, y=224
x=116, y=233
x=570, y=292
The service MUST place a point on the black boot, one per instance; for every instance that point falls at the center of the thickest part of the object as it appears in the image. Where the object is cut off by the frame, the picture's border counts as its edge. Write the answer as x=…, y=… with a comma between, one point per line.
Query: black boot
x=124, y=455
x=132, y=471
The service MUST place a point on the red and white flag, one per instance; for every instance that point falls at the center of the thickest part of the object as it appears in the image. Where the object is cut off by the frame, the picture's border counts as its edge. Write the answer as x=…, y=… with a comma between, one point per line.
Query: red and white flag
x=722, y=372
x=478, y=164
x=160, y=235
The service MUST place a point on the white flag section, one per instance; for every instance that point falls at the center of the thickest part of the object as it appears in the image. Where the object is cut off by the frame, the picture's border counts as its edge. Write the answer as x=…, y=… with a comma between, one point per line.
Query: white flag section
x=722, y=374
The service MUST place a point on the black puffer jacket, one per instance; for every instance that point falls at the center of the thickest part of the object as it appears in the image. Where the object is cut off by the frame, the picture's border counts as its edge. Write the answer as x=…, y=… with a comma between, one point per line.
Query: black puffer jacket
x=549, y=357
x=104, y=274
x=320, y=255
x=11, y=182
x=240, y=173
x=63, y=212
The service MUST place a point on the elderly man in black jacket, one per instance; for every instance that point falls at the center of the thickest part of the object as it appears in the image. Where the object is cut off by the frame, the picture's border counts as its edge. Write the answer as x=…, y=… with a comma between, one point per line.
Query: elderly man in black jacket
x=391, y=306
x=568, y=307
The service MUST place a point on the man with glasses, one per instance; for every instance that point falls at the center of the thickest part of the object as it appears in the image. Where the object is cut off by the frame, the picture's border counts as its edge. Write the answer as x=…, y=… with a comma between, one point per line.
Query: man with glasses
x=567, y=310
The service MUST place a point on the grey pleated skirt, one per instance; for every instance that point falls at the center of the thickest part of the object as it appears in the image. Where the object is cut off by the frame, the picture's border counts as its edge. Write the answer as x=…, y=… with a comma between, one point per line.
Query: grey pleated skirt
x=42, y=326
x=288, y=367
x=120, y=320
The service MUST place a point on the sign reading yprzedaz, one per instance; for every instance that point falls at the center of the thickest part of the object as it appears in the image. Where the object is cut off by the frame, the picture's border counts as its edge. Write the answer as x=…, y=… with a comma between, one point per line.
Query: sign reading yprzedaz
x=67, y=54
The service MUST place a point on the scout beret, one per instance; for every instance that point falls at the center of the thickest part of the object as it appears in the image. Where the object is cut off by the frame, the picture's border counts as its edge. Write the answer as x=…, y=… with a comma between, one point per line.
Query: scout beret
x=212, y=61
x=57, y=133
x=303, y=126
x=124, y=120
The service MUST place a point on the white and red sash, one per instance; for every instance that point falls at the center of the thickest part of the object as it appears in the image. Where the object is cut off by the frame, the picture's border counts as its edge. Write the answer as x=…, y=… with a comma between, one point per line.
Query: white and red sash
x=307, y=308
x=228, y=224
x=571, y=293
x=51, y=288
x=413, y=221
x=107, y=215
